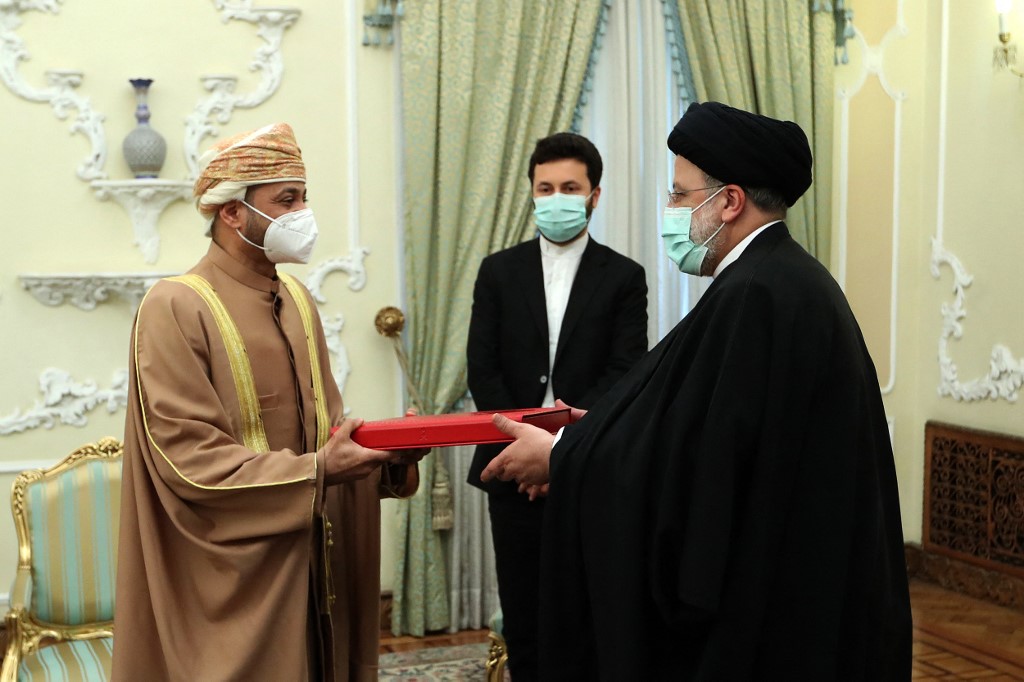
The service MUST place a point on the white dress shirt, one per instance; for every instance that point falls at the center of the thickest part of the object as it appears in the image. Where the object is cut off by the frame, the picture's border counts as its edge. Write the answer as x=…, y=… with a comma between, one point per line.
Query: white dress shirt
x=560, y=263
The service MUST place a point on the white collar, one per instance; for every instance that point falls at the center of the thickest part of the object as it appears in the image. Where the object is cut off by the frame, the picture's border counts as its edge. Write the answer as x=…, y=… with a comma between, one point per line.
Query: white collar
x=573, y=248
x=737, y=250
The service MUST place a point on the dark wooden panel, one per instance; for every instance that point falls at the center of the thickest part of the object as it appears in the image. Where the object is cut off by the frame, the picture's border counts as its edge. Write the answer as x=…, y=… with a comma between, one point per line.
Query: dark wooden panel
x=974, y=497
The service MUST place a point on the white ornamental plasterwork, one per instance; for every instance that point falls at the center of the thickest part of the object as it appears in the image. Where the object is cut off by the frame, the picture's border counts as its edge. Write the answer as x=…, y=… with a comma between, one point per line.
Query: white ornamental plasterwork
x=352, y=265
x=340, y=366
x=1006, y=373
x=144, y=200
x=222, y=101
x=66, y=401
x=61, y=95
x=872, y=63
x=85, y=291
x=61, y=92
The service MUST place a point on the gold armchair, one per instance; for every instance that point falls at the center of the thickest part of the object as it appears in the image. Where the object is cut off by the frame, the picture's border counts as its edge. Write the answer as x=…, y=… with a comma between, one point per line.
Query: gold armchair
x=497, y=654
x=66, y=518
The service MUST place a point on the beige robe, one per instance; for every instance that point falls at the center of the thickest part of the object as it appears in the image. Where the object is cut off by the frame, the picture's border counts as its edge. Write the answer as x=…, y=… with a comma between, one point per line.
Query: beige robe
x=220, y=565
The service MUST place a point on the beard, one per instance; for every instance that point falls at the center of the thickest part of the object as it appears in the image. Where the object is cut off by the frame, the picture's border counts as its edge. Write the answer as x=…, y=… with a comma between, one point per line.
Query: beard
x=702, y=226
x=252, y=230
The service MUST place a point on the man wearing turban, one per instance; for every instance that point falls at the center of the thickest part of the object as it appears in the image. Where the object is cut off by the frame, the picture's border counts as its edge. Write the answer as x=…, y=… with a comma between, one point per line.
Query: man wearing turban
x=250, y=536
x=729, y=510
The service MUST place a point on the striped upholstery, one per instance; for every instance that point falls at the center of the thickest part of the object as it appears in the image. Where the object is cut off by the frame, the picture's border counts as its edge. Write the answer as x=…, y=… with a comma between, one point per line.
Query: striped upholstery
x=497, y=621
x=73, y=661
x=73, y=527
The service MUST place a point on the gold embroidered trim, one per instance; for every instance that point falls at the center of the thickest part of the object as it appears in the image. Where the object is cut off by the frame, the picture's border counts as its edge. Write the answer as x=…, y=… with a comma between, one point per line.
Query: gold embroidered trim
x=149, y=435
x=295, y=290
x=254, y=436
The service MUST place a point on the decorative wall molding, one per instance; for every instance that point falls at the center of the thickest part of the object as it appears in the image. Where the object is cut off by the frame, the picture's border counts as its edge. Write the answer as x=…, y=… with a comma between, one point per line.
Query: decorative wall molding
x=340, y=364
x=85, y=291
x=352, y=265
x=61, y=95
x=66, y=401
x=61, y=92
x=1006, y=373
x=222, y=101
x=144, y=200
x=872, y=63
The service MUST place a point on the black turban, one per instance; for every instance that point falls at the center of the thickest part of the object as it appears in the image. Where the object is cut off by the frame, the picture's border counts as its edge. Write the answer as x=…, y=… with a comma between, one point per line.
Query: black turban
x=741, y=148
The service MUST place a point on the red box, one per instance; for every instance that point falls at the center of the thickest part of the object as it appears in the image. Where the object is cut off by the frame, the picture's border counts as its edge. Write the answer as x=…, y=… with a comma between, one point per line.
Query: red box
x=444, y=430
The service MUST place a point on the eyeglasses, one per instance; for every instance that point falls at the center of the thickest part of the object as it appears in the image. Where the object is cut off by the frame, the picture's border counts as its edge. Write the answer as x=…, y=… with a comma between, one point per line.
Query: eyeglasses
x=676, y=198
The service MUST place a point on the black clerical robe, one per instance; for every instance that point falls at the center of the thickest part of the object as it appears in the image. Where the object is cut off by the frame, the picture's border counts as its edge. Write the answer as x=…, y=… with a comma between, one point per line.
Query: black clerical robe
x=729, y=510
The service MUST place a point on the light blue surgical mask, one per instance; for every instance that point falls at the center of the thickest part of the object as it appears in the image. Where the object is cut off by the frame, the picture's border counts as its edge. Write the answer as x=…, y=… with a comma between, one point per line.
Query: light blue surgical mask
x=675, y=231
x=561, y=217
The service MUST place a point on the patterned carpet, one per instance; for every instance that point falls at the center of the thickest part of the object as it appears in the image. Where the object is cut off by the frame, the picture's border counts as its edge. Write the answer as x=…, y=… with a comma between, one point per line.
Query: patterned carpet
x=463, y=663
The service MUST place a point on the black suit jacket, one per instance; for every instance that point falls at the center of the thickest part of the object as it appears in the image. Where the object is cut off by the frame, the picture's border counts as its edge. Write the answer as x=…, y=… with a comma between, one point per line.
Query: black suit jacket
x=604, y=333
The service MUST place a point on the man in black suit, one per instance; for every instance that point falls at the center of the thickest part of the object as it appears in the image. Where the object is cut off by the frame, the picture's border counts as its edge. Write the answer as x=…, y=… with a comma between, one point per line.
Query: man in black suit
x=560, y=316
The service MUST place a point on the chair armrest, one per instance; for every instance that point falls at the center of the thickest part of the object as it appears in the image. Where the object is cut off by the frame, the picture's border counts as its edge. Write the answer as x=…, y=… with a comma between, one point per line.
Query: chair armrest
x=21, y=596
x=12, y=657
x=21, y=591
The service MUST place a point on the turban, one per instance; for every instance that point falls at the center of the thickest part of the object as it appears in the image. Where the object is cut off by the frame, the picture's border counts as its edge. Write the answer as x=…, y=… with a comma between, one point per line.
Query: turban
x=269, y=154
x=741, y=148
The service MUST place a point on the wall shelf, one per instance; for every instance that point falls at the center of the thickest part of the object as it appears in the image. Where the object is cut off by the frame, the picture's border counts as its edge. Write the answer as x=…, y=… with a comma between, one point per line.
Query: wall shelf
x=86, y=290
x=144, y=200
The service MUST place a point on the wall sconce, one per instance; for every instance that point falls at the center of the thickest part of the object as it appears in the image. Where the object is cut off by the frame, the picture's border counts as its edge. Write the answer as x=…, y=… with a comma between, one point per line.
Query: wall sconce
x=843, y=16
x=381, y=22
x=1004, y=56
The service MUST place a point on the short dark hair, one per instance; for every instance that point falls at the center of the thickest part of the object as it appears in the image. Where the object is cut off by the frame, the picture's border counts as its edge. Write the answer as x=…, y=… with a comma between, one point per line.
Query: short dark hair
x=568, y=146
x=767, y=199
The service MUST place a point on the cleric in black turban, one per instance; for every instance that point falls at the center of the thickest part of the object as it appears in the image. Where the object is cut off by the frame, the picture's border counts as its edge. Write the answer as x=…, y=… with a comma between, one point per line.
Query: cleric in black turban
x=745, y=149
x=728, y=510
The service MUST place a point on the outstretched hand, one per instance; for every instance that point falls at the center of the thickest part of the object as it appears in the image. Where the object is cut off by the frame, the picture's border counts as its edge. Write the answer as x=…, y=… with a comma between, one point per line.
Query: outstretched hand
x=575, y=413
x=526, y=459
x=345, y=460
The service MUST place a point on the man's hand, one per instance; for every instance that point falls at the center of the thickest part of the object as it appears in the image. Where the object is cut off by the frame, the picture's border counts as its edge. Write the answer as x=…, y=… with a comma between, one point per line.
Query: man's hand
x=412, y=456
x=526, y=459
x=534, y=491
x=575, y=413
x=345, y=460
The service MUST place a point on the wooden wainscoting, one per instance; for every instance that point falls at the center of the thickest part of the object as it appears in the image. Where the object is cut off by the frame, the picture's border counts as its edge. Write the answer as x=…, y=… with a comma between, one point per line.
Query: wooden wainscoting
x=974, y=498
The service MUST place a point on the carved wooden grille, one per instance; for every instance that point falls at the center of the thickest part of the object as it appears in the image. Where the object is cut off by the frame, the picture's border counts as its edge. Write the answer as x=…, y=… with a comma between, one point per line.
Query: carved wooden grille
x=974, y=496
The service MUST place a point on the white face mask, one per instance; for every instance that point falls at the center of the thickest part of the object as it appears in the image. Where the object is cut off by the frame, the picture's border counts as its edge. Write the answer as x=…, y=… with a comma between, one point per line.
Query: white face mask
x=289, y=238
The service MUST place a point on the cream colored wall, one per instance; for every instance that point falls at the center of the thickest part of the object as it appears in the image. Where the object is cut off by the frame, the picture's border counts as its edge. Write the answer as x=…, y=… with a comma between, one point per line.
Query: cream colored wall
x=53, y=224
x=956, y=137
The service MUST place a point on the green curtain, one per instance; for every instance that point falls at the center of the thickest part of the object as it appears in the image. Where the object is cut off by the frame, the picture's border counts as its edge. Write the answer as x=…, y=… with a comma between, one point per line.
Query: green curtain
x=482, y=80
x=773, y=57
